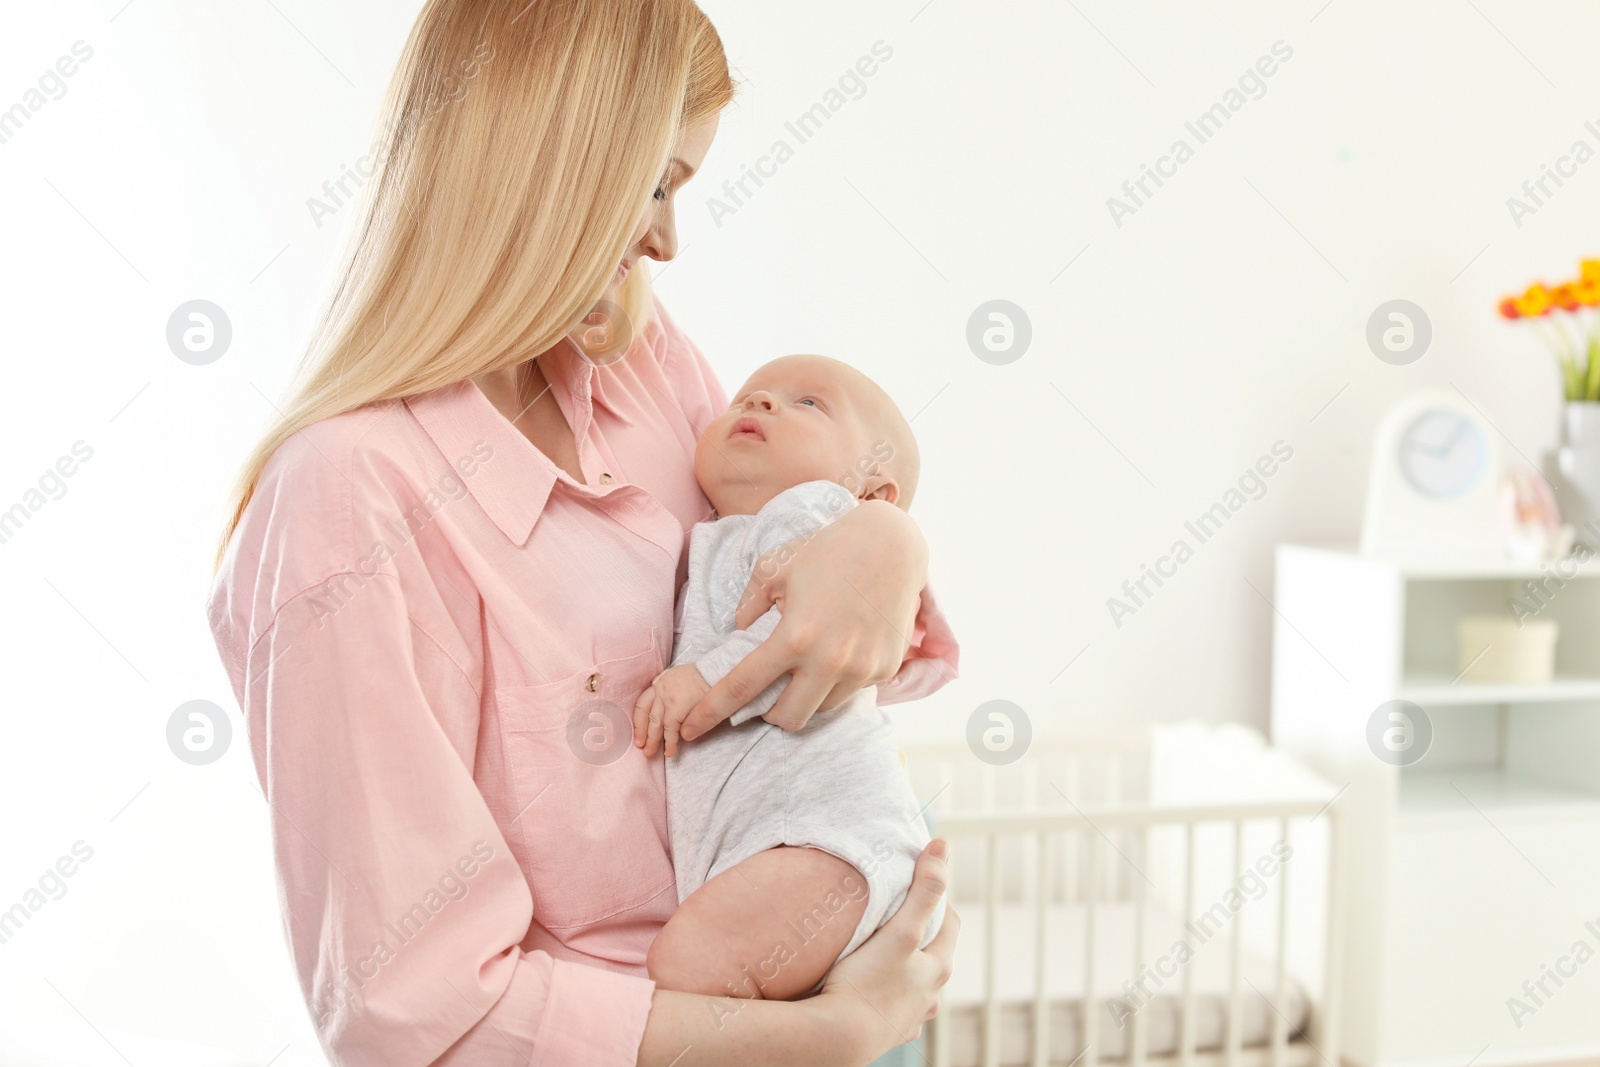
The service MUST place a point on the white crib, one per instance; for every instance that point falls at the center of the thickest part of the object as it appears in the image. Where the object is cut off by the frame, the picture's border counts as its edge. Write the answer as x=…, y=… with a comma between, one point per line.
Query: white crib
x=1097, y=872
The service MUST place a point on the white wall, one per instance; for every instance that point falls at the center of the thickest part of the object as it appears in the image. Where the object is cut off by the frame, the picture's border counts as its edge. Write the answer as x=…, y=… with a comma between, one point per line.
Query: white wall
x=1222, y=317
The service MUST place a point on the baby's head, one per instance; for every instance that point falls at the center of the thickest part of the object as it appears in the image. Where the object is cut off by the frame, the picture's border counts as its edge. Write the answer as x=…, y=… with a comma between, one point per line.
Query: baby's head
x=802, y=419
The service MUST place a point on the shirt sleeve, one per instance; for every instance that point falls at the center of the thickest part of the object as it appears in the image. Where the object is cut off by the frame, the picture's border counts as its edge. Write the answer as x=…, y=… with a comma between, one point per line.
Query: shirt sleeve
x=932, y=660
x=715, y=664
x=404, y=906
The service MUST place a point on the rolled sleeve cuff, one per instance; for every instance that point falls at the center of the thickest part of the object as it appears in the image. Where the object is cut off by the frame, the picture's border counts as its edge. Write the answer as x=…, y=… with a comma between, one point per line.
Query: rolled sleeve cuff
x=933, y=659
x=592, y=1016
x=715, y=665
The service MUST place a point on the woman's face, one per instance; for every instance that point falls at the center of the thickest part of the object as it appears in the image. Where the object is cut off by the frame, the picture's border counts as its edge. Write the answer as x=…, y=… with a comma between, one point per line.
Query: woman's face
x=656, y=236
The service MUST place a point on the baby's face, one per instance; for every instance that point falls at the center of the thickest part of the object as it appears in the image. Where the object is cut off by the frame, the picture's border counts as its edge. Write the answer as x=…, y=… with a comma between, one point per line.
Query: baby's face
x=798, y=419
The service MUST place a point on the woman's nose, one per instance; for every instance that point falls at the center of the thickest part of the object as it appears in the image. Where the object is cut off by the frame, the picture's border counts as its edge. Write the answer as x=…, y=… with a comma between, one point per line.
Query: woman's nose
x=660, y=241
x=658, y=246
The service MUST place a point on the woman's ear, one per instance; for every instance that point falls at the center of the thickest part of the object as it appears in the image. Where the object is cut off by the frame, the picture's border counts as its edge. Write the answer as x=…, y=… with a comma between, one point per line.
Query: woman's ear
x=881, y=487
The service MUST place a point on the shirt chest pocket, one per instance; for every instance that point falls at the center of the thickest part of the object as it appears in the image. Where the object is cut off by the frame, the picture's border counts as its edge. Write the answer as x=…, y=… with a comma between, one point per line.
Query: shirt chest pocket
x=591, y=811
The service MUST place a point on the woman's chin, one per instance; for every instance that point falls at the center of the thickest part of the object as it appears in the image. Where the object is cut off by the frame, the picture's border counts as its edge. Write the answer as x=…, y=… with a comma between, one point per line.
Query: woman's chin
x=619, y=278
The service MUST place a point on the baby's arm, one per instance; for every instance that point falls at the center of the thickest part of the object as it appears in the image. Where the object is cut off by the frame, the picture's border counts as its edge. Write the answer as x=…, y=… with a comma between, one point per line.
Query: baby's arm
x=661, y=709
x=716, y=664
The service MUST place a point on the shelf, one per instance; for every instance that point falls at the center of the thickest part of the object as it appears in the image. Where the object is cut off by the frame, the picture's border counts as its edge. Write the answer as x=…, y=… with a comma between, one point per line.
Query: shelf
x=1491, y=569
x=1437, y=691
x=1444, y=794
x=1458, y=570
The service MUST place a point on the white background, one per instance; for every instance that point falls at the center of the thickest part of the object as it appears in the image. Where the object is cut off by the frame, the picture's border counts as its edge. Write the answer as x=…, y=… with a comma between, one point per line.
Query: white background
x=1225, y=315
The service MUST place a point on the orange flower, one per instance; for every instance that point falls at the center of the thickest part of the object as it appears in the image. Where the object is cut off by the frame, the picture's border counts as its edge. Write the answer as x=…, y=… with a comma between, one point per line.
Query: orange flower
x=1535, y=302
x=1587, y=290
x=1590, y=269
x=1508, y=308
x=1563, y=297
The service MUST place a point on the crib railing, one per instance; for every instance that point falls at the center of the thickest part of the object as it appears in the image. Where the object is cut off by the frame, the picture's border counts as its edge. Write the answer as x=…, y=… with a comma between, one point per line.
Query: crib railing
x=1055, y=839
x=1101, y=772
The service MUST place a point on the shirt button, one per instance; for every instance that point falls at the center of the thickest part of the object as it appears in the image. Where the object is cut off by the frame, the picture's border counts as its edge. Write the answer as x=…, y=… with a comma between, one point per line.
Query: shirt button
x=606, y=479
x=593, y=683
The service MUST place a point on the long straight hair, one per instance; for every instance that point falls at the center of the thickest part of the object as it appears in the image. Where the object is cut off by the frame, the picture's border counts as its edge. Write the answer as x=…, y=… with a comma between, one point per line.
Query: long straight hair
x=519, y=145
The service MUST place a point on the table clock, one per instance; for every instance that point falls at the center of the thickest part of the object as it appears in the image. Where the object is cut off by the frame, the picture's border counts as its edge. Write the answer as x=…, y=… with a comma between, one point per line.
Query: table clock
x=1436, y=475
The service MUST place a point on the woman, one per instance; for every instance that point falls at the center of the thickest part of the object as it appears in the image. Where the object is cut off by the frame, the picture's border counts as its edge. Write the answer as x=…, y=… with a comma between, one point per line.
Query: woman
x=452, y=568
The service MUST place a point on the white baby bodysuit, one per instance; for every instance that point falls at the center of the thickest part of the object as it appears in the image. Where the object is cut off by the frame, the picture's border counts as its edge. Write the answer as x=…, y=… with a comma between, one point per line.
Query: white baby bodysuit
x=746, y=785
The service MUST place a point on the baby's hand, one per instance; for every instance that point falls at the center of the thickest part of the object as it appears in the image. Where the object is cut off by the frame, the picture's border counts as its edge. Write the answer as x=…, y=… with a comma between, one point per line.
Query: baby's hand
x=662, y=707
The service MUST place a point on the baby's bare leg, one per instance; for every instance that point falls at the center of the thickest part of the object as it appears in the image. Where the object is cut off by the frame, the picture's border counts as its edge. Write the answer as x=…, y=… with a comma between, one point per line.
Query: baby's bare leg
x=769, y=927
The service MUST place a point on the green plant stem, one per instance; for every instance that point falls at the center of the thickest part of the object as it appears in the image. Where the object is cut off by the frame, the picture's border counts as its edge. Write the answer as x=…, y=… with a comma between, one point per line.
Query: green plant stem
x=1572, y=383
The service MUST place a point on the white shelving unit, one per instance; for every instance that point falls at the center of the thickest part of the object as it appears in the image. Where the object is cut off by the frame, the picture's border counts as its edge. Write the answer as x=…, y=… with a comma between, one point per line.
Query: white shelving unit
x=1476, y=867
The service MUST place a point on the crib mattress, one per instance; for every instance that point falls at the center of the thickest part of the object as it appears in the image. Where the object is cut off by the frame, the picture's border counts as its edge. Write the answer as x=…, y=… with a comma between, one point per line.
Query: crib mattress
x=1162, y=1010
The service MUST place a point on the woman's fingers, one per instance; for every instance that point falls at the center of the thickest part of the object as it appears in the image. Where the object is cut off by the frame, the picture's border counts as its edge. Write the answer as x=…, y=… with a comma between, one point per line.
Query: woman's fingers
x=849, y=686
x=943, y=945
x=928, y=882
x=891, y=971
x=759, y=590
x=738, y=687
x=800, y=700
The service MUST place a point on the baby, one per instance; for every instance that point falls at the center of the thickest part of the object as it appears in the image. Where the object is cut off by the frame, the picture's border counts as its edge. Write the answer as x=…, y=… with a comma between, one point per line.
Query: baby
x=790, y=847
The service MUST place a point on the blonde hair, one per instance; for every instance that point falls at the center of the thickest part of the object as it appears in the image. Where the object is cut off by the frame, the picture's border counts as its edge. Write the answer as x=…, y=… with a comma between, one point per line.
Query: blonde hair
x=522, y=141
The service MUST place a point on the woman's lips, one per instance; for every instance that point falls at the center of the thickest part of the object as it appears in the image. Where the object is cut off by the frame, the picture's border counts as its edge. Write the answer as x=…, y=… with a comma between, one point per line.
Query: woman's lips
x=747, y=427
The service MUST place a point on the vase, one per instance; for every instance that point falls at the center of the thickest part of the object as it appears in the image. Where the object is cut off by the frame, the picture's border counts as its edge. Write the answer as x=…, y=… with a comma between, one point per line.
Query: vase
x=1582, y=424
x=1578, y=463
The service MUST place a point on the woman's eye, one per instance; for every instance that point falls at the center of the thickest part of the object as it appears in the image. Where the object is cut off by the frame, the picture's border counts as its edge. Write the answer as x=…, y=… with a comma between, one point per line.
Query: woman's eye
x=660, y=193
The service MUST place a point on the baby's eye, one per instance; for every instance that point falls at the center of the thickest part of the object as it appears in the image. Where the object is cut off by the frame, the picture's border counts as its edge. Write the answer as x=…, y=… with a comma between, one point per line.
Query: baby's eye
x=807, y=400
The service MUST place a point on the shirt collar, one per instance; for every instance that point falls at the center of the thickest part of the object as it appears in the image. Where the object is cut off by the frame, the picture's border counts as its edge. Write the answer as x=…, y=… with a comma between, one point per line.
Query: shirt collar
x=513, y=482
x=585, y=381
x=513, y=485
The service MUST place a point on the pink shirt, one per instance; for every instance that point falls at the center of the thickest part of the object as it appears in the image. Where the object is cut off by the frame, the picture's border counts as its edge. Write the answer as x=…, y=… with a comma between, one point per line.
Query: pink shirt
x=435, y=636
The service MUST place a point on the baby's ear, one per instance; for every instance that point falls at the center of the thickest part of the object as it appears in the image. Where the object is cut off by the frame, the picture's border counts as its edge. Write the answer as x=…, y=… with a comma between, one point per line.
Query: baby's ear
x=881, y=487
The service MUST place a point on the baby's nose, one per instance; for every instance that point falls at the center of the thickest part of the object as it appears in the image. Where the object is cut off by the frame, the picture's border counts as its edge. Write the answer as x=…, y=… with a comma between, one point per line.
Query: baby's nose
x=759, y=399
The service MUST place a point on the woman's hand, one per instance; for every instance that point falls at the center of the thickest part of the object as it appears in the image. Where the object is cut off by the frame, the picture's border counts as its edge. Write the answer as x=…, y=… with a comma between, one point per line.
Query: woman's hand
x=889, y=986
x=873, y=1000
x=848, y=597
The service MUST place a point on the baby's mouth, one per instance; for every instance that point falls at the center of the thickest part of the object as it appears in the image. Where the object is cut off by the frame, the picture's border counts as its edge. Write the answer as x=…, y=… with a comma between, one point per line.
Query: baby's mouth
x=747, y=427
